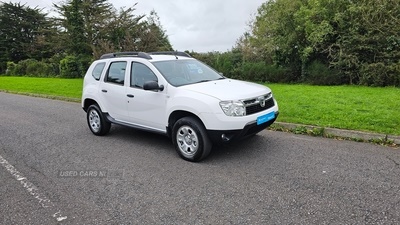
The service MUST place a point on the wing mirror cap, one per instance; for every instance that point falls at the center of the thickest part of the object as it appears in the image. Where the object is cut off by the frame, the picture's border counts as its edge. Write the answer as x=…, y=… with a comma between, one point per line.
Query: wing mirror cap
x=152, y=86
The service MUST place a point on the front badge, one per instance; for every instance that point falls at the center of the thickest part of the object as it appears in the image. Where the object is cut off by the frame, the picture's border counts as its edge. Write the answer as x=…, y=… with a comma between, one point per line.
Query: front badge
x=261, y=100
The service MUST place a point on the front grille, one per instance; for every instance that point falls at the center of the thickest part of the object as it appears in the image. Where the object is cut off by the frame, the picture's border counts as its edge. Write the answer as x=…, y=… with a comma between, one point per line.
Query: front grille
x=250, y=101
x=255, y=108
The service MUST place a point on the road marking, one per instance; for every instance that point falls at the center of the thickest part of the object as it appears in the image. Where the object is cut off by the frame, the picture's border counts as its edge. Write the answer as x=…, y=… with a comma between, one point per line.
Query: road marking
x=32, y=190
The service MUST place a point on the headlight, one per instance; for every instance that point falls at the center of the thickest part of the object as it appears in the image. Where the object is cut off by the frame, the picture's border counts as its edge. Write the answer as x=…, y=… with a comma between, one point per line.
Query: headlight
x=233, y=108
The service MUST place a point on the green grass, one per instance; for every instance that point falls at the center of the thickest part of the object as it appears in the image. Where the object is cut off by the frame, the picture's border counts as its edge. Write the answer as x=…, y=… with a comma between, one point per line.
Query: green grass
x=347, y=107
x=70, y=88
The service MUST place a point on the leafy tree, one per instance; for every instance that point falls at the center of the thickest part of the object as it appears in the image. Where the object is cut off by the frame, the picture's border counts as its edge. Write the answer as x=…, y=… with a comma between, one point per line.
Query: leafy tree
x=96, y=17
x=128, y=32
x=122, y=31
x=368, y=47
x=95, y=27
x=275, y=32
x=22, y=33
x=72, y=21
x=82, y=30
x=250, y=52
x=360, y=39
x=152, y=36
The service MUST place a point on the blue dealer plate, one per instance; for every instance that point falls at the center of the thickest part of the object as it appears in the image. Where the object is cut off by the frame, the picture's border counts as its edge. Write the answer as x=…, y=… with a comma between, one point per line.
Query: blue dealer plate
x=265, y=118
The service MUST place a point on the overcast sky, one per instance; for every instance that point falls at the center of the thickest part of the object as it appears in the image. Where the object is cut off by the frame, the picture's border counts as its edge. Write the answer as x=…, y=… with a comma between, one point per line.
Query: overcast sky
x=198, y=25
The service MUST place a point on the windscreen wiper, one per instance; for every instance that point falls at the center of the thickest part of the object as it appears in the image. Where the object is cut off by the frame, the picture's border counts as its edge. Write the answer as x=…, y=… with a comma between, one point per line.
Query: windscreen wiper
x=202, y=81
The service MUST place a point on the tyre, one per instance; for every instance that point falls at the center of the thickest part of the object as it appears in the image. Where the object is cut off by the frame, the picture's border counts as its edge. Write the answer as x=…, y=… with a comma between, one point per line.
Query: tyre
x=96, y=121
x=190, y=139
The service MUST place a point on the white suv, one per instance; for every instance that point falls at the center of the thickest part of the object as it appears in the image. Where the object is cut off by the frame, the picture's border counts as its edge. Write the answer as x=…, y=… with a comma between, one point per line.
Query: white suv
x=174, y=94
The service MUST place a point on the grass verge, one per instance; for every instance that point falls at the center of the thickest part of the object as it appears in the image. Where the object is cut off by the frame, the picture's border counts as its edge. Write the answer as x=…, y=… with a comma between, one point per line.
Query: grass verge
x=347, y=107
x=323, y=132
x=43, y=87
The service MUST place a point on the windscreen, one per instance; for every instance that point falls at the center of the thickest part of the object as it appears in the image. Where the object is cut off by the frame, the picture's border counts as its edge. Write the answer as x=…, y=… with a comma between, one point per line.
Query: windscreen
x=185, y=72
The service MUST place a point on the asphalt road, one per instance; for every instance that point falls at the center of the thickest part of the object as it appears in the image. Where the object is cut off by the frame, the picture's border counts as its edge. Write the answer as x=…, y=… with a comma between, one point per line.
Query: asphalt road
x=53, y=170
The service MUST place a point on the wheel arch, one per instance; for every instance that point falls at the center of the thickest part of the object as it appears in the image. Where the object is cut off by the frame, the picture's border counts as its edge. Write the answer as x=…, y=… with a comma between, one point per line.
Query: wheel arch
x=88, y=102
x=178, y=114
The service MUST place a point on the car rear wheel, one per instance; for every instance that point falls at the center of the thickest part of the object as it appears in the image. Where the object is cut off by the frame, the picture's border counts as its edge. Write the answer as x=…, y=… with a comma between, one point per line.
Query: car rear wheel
x=96, y=121
x=191, y=140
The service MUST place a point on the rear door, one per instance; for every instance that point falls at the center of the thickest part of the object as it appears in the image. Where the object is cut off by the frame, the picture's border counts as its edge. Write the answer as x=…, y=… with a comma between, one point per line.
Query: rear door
x=113, y=91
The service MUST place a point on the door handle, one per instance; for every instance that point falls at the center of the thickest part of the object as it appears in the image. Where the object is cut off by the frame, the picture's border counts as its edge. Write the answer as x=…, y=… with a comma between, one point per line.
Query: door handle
x=105, y=91
x=130, y=95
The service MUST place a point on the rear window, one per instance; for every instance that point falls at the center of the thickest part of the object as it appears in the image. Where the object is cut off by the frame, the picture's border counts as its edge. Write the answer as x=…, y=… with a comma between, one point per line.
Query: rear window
x=98, y=70
x=116, y=73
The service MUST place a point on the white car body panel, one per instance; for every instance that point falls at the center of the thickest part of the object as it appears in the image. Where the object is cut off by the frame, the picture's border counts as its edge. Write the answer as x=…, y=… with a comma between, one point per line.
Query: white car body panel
x=228, y=89
x=151, y=109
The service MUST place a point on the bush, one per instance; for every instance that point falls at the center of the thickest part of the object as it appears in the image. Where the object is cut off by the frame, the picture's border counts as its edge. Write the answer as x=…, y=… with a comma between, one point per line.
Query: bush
x=29, y=67
x=254, y=71
x=84, y=64
x=395, y=74
x=54, y=63
x=318, y=73
x=16, y=69
x=379, y=74
x=259, y=71
x=11, y=69
x=38, y=69
x=276, y=74
x=369, y=75
x=3, y=67
x=74, y=66
x=21, y=67
x=69, y=67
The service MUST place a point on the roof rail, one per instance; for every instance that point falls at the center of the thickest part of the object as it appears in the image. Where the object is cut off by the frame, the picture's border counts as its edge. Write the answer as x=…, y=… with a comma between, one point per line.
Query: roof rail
x=175, y=53
x=125, y=54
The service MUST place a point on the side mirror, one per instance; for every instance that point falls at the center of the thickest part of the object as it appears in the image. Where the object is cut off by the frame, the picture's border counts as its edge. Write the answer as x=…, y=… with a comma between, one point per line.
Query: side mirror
x=152, y=86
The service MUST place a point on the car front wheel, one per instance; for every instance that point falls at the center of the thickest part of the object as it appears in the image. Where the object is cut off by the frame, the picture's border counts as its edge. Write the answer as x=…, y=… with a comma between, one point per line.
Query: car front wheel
x=96, y=121
x=191, y=140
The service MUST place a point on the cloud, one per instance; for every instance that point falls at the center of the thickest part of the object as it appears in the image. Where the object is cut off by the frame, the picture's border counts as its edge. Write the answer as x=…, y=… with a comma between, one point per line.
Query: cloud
x=197, y=25
x=201, y=25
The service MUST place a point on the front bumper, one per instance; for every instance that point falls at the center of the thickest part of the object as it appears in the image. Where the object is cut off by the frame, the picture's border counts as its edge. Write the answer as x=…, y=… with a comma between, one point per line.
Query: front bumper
x=226, y=136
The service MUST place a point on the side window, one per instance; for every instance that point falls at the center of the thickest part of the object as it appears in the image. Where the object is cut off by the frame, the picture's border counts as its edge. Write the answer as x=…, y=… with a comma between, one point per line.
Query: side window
x=116, y=73
x=140, y=74
x=98, y=70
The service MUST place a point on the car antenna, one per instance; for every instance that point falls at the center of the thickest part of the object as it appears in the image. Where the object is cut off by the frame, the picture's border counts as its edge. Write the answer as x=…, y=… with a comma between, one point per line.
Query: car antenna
x=176, y=54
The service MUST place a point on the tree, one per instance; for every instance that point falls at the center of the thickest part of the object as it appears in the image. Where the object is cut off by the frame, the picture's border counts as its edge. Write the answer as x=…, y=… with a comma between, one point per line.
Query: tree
x=72, y=21
x=96, y=17
x=152, y=36
x=368, y=47
x=95, y=27
x=123, y=30
x=275, y=32
x=82, y=30
x=359, y=38
x=22, y=33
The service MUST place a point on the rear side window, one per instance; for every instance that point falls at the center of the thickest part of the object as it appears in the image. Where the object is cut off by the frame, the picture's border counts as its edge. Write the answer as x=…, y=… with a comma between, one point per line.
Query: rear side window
x=116, y=73
x=98, y=70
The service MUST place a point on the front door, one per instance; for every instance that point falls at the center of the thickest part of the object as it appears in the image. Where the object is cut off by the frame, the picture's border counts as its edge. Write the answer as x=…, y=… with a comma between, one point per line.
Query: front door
x=146, y=108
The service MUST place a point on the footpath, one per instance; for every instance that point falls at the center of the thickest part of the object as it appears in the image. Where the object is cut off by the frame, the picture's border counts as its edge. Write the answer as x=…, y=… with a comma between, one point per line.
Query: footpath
x=337, y=133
